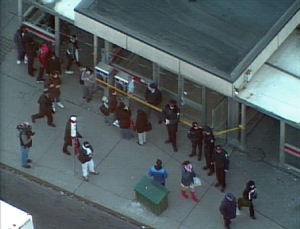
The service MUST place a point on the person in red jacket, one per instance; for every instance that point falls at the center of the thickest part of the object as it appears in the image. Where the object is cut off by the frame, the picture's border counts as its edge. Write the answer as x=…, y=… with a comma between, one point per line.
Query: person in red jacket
x=45, y=52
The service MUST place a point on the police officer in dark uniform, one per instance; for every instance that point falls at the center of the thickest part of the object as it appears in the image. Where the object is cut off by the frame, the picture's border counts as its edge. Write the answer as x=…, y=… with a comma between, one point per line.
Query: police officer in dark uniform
x=221, y=161
x=195, y=134
x=171, y=116
x=209, y=145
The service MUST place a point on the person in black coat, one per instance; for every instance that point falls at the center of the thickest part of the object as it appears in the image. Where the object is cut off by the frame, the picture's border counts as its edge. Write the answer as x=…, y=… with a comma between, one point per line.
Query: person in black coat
x=68, y=138
x=19, y=39
x=209, y=145
x=195, y=134
x=30, y=49
x=45, y=109
x=141, y=126
x=249, y=194
x=153, y=96
x=221, y=161
x=228, y=209
x=171, y=116
x=53, y=64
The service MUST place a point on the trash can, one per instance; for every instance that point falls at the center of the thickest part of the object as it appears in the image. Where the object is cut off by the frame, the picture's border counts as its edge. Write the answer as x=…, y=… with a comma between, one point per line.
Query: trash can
x=152, y=194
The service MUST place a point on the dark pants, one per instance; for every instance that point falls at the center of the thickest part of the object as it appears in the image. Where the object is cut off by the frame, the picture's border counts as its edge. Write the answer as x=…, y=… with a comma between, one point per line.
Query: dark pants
x=70, y=61
x=196, y=144
x=21, y=55
x=208, y=159
x=172, y=131
x=221, y=176
x=226, y=222
x=41, y=73
x=30, y=66
x=246, y=203
x=42, y=115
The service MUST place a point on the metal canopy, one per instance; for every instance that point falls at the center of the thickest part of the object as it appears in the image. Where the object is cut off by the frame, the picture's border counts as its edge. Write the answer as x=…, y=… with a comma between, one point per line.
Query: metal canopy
x=275, y=88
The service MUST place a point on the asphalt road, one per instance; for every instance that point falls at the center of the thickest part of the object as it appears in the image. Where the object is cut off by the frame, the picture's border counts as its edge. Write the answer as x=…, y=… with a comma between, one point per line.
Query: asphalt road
x=52, y=208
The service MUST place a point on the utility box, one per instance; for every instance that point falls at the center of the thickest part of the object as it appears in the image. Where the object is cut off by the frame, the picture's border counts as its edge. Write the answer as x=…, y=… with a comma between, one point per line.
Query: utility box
x=152, y=194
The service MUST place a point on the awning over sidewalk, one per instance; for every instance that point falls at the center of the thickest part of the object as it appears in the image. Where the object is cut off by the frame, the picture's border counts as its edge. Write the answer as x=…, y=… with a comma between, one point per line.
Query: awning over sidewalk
x=275, y=88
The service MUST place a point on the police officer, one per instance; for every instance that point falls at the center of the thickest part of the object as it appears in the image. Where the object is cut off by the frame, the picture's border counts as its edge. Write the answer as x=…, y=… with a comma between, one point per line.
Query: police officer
x=209, y=145
x=195, y=134
x=221, y=161
x=171, y=116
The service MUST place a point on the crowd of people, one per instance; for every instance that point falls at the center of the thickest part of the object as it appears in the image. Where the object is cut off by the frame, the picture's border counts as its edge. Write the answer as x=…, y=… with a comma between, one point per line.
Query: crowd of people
x=116, y=112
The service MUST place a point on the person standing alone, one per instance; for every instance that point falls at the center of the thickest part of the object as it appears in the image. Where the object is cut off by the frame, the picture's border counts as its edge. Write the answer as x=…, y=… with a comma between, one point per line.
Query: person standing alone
x=25, y=137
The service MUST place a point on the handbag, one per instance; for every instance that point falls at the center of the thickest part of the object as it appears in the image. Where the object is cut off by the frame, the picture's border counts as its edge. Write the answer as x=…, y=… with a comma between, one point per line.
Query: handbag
x=197, y=181
x=149, y=126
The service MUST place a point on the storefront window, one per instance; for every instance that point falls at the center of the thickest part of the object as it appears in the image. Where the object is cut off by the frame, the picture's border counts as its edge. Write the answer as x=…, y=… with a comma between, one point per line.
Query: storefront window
x=292, y=146
x=168, y=81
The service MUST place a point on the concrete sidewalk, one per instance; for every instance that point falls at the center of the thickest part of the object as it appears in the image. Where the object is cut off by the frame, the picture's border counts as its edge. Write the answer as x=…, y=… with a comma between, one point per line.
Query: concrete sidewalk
x=121, y=163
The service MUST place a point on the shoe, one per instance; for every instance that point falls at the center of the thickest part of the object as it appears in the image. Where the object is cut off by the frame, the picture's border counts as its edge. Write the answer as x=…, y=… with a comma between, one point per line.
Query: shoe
x=191, y=155
x=199, y=158
x=29, y=161
x=209, y=174
x=95, y=173
x=88, y=100
x=239, y=207
x=217, y=184
x=167, y=141
x=86, y=179
x=252, y=217
x=52, y=125
x=67, y=152
x=32, y=75
x=84, y=97
x=184, y=195
x=222, y=189
x=53, y=109
x=82, y=69
x=175, y=149
x=69, y=72
x=32, y=119
x=139, y=144
x=60, y=105
x=26, y=166
x=18, y=62
x=40, y=81
x=205, y=168
x=160, y=122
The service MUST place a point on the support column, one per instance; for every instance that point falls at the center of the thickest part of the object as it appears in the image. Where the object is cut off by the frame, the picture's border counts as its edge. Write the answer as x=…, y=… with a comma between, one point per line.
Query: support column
x=281, y=142
x=243, y=123
x=204, y=107
x=95, y=51
x=233, y=121
x=57, y=36
x=20, y=11
x=106, y=58
x=155, y=73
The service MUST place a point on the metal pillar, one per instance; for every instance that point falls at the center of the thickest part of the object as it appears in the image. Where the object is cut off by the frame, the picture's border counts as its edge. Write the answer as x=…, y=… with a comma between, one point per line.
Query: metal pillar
x=281, y=142
x=105, y=58
x=155, y=73
x=20, y=11
x=243, y=123
x=204, y=107
x=233, y=120
x=95, y=51
x=57, y=35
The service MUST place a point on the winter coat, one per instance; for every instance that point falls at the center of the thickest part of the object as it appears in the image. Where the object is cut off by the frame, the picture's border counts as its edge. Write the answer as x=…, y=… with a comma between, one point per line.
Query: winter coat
x=247, y=194
x=124, y=118
x=88, y=80
x=44, y=54
x=53, y=65
x=30, y=48
x=71, y=50
x=209, y=144
x=54, y=91
x=195, y=134
x=159, y=175
x=154, y=98
x=228, y=208
x=112, y=103
x=187, y=177
x=173, y=115
x=45, y=104
x=83, y=156
x=141, y=121
x=221, y=159
x=19, y=40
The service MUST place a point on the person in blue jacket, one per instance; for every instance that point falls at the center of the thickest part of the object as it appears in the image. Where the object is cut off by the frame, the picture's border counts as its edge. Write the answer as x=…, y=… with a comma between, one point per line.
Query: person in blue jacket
x=228, y=209
x=158, y=173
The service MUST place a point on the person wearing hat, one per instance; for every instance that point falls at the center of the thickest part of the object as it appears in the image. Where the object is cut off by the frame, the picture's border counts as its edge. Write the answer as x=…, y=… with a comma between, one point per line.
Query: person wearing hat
x=209, y=145
x=228, y=209
x=153, y=96
x=158, y=173
x=221, y=161
x=45, y=108
x=171, y=117
x=85, y=156
x=249, y=194
x=68, y=138
x=195, y=134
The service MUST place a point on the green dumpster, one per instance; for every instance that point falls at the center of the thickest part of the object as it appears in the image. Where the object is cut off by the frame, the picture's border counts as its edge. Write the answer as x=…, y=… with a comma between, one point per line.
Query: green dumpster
x=152, y=194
